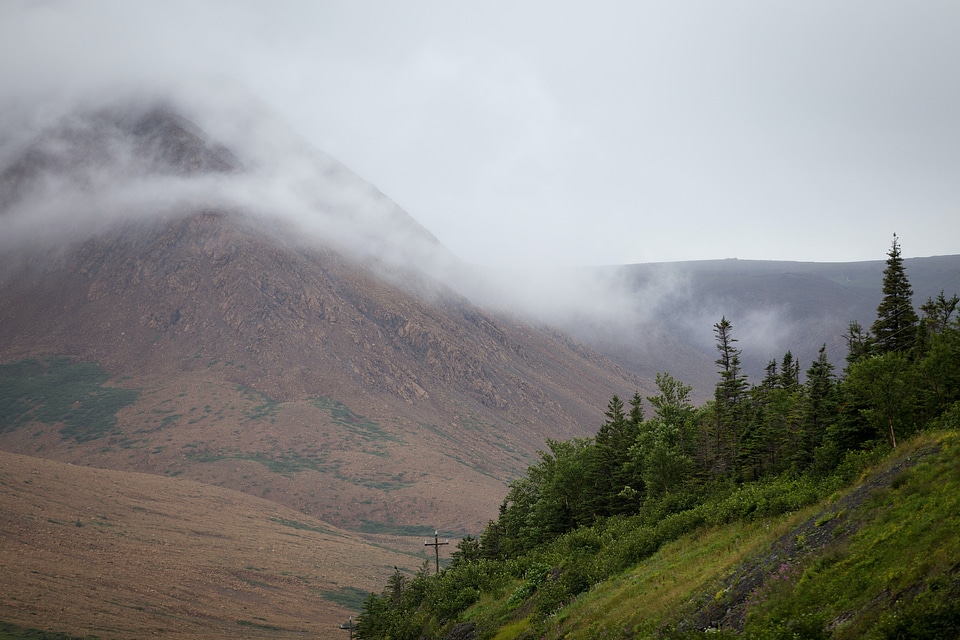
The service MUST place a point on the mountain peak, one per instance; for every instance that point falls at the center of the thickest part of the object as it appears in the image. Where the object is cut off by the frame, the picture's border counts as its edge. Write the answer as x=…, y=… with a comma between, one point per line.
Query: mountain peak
x=174, y=142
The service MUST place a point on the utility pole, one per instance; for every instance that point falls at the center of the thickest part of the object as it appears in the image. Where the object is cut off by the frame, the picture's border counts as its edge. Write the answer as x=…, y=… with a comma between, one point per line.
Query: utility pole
x=436, y=544
x=348, y=625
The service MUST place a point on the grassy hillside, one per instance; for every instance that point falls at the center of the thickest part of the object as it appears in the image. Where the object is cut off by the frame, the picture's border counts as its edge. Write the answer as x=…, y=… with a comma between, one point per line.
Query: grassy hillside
x=90, y=552
x=878, y=560
x=871, y=552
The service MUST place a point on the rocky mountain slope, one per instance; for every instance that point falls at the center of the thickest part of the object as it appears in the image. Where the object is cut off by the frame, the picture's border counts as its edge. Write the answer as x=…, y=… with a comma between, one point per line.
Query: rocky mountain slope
x=352, y=386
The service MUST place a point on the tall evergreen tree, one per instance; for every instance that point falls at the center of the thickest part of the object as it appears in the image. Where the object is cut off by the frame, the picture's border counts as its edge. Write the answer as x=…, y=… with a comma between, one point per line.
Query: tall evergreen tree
x=729, y=397
x=819, y=406
x=789, y=372
x=895, y=329
x=612, y=472
x=636, y=409
x=939, y=368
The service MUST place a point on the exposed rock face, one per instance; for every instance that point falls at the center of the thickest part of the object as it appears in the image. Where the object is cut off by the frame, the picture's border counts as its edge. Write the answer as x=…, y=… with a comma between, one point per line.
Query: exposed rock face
x=198, y=300
x=155, y=295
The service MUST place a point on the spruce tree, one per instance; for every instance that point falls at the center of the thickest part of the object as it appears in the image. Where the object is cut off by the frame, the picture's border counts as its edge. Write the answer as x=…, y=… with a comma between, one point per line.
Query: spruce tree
x=895, y=329
x=819, y=406
x=730, y=397
x=612, y=472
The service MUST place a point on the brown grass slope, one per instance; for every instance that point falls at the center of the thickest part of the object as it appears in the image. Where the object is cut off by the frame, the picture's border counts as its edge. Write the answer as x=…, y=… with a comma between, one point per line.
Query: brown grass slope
x=126, y=555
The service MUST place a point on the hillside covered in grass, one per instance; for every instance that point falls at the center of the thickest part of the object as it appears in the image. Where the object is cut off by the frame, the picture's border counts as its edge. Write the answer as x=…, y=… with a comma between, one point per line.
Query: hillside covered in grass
x=824, y=507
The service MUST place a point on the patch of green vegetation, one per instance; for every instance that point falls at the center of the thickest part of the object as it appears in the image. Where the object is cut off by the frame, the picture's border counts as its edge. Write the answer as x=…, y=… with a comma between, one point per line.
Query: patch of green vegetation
x=59, y=391
x=258, y=625
x=256, y=583
x=897, y=572
x=393, y=483
x=294, y=524
x=349, y=598
x=435, y=430
x=266, y=406
x=284, y=464
x=168, y=420
x=784, y=558
x=386, y=528
x=343, y=416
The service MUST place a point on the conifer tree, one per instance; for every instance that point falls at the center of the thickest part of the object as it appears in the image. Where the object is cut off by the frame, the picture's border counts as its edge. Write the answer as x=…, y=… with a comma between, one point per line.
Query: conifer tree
x=614, y=439
x=729, y=397
x=859, y=343
x=819, y=406
x=789, y=372
x=636, y=409
x=895, y=329
x=936, y=319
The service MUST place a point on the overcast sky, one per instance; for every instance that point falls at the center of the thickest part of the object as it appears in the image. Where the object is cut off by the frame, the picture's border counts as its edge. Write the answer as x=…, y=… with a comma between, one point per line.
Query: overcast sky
x=576, y=133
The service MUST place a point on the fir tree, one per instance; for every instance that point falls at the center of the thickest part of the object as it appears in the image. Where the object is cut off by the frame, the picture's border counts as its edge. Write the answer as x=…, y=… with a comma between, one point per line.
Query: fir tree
x=895, y=329
x=612, y=472
x=819, y=406
x=729, y=396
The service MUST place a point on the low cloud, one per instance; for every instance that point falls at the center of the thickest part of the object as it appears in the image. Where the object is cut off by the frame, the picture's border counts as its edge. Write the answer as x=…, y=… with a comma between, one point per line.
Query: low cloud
x=79, y=168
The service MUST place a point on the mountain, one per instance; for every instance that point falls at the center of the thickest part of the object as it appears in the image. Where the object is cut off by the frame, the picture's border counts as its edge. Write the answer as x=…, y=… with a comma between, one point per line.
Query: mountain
x=225, y=321
x=266, y=355
x=774, y=306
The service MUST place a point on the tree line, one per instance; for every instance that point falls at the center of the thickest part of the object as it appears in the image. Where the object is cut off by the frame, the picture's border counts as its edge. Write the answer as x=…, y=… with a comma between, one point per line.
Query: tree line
x=900, y=375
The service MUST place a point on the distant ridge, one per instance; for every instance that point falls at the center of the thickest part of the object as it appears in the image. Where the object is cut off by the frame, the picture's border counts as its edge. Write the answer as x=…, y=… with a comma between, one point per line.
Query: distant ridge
x=774, y=306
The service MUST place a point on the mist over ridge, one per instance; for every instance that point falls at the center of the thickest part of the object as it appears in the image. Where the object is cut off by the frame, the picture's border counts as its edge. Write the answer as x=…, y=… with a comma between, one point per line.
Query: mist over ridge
x=91, y=164
x=73, y=167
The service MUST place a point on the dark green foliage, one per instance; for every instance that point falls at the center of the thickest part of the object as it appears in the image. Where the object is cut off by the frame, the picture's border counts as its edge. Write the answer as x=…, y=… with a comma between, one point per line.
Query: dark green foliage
x=926, y=617
x=730, y=408
x=937, y=314
x=468, y=550
x=895, y=329
x=613, y=475
x=818, y=407
x=859, y=342
x=368, y=526
x=884, y=385
x=938, y=370
x=417, y=607
x=58, y=391
x=591, y=508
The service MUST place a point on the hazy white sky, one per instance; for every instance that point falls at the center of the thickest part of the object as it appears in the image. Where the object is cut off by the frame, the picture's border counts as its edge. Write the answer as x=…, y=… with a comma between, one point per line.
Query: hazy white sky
x=576, y=133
